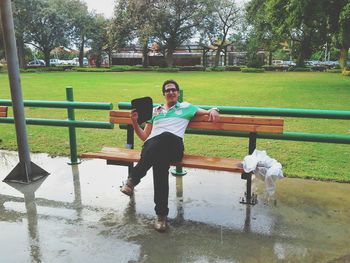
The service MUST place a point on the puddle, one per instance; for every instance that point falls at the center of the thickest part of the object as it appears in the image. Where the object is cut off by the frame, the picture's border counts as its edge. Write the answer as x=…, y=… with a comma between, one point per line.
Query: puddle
x=77, y=214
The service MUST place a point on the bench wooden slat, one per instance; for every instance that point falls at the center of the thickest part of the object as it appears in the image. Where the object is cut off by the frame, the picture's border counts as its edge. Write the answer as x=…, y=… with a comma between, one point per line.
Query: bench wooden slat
x=217, y=126
x=192, y=161
x=236, y=127
x=3, y=111
x=223, y=119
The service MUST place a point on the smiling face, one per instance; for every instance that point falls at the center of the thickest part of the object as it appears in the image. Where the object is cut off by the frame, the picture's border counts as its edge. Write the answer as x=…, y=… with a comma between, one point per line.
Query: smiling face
x=171, y=94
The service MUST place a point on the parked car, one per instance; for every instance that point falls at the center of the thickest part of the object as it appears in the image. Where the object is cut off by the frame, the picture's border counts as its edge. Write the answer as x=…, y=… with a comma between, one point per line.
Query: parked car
x=313, y=63
x=37, y=62
x=64, y=62
x=279, y=63
x=289, y=63
x=330, y=63
x=85, y=61
x=54, y=61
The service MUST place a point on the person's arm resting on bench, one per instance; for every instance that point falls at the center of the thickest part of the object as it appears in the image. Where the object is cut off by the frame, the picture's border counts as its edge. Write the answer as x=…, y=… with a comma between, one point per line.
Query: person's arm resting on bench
x=213, y=113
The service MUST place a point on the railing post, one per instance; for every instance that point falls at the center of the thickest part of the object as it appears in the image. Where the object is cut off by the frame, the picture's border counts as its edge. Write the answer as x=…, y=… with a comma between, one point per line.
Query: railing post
x=178, y=171
x=72, y=133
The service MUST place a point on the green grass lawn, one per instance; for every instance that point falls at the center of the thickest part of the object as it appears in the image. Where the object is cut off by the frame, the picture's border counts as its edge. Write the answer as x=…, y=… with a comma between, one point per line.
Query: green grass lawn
x=284, y=90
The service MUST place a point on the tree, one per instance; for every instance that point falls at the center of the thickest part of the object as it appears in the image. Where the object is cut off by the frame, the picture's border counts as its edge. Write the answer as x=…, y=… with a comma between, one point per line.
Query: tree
x=48, y=27
x=22, y=11
x=79, y=24
x=176, y=21
x=98, y=37
x=122, y=25
x=142, y=14
x=339, y=26
x=262, y=29
x=223, y=16
x=303, y=21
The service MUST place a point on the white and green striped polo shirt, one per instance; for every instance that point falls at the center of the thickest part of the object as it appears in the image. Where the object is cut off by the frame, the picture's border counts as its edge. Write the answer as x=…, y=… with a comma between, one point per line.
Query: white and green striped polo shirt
x=174, y=120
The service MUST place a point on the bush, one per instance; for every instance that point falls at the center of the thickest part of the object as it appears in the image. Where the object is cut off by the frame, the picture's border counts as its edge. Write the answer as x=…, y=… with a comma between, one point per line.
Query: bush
x=334, y=70
x=233, y=68
x=300, y=69
x=92, y=69
x=215, y=69
x=274, y=68
x=191, y=68
x=252, y=70
x=29, y=70
x=173, y=70
x=319, y=68
x=49, y=69
x=346, y=73
x=121, y=68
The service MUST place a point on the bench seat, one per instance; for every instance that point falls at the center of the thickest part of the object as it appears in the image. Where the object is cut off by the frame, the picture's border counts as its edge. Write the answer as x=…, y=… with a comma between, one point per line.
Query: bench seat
x=3, y=112
x=191, y=161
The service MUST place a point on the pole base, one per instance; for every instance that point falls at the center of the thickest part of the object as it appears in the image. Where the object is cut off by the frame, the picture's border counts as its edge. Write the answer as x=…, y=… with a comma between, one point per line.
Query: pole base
x=19, y=174
x=174, y=172
x=253, y=200
x=74, y=163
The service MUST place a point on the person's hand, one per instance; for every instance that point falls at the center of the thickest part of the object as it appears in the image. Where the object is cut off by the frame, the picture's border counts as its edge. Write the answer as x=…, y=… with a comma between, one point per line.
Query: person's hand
x=214, y=115
x=134, y=116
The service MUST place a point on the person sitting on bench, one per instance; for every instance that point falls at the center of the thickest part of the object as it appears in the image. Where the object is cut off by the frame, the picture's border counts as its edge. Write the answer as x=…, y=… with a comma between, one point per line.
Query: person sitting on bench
x=163, y=136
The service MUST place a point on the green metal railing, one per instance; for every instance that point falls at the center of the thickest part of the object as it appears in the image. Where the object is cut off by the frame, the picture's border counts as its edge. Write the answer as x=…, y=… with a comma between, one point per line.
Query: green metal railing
x=280, y=112
x=71, y=123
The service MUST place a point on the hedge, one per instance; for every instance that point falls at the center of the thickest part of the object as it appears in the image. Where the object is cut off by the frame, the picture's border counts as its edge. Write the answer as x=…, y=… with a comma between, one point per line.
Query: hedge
x=92, y=69
x=232, y=68
x=252, y=70
x=191, y=68
x=334, y=70
x=299, y=69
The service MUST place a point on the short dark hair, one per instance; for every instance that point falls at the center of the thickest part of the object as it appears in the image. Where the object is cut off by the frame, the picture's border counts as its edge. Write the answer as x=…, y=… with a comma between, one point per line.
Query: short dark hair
x=170, y=81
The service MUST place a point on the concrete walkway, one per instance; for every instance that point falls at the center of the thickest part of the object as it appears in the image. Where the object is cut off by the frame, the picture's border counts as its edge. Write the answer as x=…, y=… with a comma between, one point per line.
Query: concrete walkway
x=77, y=214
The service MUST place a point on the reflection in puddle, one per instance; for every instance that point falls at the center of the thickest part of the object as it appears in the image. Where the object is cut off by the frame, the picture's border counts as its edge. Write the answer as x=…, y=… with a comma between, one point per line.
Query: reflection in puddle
x=77, y=214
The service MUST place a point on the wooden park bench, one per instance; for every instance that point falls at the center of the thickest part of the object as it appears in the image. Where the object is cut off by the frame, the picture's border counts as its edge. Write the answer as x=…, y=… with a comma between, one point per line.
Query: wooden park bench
x=3, y=112
x=251, y=125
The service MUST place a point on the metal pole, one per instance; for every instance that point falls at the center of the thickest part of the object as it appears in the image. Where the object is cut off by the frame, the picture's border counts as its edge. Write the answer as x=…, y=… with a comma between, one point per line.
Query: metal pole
x=23, y=171
x=72, y=133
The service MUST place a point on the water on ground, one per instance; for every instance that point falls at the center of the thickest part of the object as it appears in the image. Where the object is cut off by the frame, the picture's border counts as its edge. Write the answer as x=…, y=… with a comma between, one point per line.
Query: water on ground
x=77, y=214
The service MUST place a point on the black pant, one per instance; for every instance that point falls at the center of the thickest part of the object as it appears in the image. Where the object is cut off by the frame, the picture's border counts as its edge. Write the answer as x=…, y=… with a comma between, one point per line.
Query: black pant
x=159, y=152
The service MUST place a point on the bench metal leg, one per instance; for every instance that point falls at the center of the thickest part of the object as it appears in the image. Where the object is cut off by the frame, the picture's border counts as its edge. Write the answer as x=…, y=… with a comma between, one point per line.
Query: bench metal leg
x=249, y=197
x=130, y=144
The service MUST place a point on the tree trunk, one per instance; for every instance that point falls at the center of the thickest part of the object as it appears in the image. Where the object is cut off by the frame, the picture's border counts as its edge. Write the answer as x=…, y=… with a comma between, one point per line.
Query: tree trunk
x=343, y=56
x=305, y=50
x=217, y=57
x=21, y=52
x=169, y=58
x=98, y=60
x=270, y=57
x=145, y=61
x=81, y=51
x=47, y=57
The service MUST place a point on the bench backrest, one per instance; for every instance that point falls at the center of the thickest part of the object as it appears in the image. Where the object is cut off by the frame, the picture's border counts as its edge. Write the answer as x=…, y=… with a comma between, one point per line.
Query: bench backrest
x=225, y=123
x=3, y=111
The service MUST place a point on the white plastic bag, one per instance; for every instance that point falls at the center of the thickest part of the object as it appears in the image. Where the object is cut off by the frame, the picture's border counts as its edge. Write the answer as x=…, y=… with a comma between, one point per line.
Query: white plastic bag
x=265, y=168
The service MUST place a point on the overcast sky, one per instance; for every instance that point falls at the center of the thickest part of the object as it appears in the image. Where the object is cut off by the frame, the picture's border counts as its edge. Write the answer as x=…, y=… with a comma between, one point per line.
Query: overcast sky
x=106, y=6
x=101, y=6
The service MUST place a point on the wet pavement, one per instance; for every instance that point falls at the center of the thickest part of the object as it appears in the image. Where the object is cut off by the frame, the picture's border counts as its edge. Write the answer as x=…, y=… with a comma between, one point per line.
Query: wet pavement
x=77, y=214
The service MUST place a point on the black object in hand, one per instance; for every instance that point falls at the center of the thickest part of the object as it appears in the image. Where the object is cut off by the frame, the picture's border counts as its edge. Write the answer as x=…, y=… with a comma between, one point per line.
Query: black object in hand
x=143, y=107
